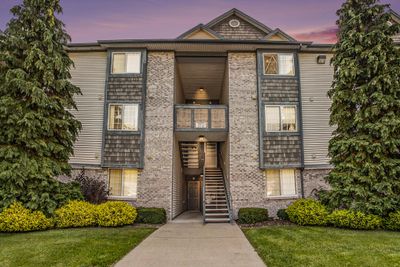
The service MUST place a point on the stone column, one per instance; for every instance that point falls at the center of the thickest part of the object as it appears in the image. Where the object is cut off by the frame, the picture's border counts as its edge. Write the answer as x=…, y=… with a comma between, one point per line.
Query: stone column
x=155, y=182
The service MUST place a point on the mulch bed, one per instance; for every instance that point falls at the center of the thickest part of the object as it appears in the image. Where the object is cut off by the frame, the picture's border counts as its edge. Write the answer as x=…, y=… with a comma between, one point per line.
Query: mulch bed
x=266, y=223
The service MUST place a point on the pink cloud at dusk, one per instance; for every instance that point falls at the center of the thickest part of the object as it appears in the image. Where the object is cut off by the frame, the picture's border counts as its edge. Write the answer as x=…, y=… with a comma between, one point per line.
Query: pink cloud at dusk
x=323, y=35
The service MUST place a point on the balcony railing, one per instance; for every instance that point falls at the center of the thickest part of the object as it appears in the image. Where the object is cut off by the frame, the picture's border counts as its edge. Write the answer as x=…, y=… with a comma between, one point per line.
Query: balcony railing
x=201, y=118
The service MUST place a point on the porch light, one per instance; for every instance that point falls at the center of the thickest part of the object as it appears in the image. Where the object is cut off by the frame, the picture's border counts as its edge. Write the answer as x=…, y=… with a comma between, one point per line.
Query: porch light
x=201, y=89
x=321, y=59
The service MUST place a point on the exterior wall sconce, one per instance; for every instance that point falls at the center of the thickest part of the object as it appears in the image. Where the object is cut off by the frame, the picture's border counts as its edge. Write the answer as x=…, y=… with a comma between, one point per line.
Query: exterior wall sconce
x=202, y=139
x=321, y=59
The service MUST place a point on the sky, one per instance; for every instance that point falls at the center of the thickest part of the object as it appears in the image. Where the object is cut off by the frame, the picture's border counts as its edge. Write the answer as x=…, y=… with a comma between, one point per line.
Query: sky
x=92, y=20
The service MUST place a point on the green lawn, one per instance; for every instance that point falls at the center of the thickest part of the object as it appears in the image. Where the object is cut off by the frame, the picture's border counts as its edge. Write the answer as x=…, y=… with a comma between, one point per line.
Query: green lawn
x=318, y=246
x=70, y=247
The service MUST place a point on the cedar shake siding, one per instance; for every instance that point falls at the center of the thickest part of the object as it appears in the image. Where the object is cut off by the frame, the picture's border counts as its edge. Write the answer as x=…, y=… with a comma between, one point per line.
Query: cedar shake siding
x=124, y=149
x=245, y=31
x=279, y=149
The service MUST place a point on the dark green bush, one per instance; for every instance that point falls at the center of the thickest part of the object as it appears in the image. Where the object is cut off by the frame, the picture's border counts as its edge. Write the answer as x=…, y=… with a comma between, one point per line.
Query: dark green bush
x=252, y=215
x=151, y=215
x=354, y=220
x=282, y=214
x=393, y=221
x=307, y=212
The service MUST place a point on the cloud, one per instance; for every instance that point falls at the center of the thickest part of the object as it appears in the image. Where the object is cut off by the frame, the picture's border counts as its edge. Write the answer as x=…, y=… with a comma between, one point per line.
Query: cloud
x=323, y=35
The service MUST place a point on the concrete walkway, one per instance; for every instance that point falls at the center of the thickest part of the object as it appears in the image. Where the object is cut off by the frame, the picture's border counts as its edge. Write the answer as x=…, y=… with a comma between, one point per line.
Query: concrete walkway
x=188, y=242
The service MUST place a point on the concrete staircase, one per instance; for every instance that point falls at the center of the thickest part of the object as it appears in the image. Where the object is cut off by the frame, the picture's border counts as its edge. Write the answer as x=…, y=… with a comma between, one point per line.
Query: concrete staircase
x=216, y=201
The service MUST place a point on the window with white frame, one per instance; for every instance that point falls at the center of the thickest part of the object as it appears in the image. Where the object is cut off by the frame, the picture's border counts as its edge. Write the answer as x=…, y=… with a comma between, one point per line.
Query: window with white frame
x=125, y=62
x=278, y=64
x=123, y=182
x=280, y=118
x=281, y=182
x=123, y=117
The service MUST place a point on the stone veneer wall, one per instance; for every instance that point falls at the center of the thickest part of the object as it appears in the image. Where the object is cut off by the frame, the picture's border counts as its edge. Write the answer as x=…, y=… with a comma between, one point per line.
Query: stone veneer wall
x=155, y=182
x=247, y=183
x=314, y=181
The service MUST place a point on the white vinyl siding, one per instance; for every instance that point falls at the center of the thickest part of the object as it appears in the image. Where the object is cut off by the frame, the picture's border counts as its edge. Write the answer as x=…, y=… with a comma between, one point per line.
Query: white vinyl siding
x=316, y=80
x=125, y=62
x=89, y=74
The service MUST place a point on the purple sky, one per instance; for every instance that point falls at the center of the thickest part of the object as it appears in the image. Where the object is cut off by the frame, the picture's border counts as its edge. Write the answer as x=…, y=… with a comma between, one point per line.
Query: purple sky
x=92, y=20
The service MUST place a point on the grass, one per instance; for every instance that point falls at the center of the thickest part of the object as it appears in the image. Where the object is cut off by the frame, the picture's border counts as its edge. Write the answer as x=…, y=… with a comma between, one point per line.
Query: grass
x=323, y=246
x=70, y=247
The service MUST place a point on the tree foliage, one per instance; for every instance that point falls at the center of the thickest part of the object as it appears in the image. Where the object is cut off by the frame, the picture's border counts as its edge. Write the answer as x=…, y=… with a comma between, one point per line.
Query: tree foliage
x=37, y=130
x=365, y=147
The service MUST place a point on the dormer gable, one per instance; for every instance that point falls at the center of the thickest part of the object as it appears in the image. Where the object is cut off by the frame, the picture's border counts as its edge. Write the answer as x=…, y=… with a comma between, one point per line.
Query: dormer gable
x=279, y=35
x=200, y=32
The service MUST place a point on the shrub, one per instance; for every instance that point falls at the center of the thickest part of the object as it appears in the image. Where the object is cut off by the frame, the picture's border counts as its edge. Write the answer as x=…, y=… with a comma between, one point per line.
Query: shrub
x=252, y=215
x=151, y=215
x=17, y=218
x=76, y=214
x=282, y=214
x=354, y=220
x=307, y=212
x=393, y=221
x=115, y=213
x=94, y=188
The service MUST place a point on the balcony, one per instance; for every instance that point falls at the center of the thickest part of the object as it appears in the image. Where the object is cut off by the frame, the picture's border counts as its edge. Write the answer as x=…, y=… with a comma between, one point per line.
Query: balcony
x=201, y=118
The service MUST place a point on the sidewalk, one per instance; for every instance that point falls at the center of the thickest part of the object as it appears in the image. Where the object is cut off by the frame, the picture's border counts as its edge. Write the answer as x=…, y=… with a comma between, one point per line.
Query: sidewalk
x=193, y=243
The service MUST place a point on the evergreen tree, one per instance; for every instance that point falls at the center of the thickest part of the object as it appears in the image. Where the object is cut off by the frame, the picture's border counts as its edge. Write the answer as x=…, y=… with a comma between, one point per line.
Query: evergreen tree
x=37, y=131
x=365, y=147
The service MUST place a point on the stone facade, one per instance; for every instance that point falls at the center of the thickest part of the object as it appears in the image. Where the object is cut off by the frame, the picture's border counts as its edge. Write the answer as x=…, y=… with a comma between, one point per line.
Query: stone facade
x=247, y=183
x=155, y=182
x=314, y=181
x=245, y=31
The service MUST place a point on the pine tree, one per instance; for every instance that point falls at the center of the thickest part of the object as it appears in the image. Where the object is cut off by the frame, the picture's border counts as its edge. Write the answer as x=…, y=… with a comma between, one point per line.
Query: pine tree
x=37, y=131
x=365, y=147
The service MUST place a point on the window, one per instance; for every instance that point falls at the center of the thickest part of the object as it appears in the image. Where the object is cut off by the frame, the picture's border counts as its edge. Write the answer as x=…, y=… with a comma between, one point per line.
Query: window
x=281, y=182
x=123, y=182
x=278, y=64
x=126, y=62
x=123, y=117
x=280, y=118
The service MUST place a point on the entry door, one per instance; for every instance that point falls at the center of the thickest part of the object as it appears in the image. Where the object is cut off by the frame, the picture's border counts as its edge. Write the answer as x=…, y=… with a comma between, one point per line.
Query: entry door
x=211, y=155
x=193, y=195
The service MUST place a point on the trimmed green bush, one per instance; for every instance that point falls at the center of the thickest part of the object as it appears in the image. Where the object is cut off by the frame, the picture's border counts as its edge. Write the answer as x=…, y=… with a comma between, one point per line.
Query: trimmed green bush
x=307, y=212
x=151, y=215
x=282, y=214
x=252, y=215
x=393, y=221
x=17, y=218
x=76, y=214
x=115, y=213
x=354, y=220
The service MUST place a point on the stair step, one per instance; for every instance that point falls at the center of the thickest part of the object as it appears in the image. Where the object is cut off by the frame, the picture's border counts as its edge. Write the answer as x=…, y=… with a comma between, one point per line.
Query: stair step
x=216, y=210
x=217, y=220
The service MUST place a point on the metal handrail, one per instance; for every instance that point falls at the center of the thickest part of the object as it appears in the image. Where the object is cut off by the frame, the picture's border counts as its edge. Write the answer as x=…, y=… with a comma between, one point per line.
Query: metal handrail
x=204, y=183
x=227, y=187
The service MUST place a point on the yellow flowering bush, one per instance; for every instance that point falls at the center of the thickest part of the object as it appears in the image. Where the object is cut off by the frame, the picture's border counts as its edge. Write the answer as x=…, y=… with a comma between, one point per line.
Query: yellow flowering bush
x=76, y=214
x=115, y=213
x=17, y=218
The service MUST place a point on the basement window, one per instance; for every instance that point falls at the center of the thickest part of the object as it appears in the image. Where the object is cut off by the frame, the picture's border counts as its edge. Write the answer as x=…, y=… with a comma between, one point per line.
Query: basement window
x=123, y=182
x=125, y=62
x=280, y=118
x=123, y=117
x=278, y=64
x=281, y=182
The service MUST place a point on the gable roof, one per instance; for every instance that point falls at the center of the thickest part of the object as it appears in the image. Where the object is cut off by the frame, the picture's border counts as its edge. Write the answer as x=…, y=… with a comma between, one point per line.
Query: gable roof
x=241, y=15
x=278, y=32
x=199, y=27
x=395, y=16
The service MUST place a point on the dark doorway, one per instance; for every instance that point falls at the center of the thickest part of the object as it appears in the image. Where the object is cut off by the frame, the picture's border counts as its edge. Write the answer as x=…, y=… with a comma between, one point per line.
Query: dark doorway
x=193, y=195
